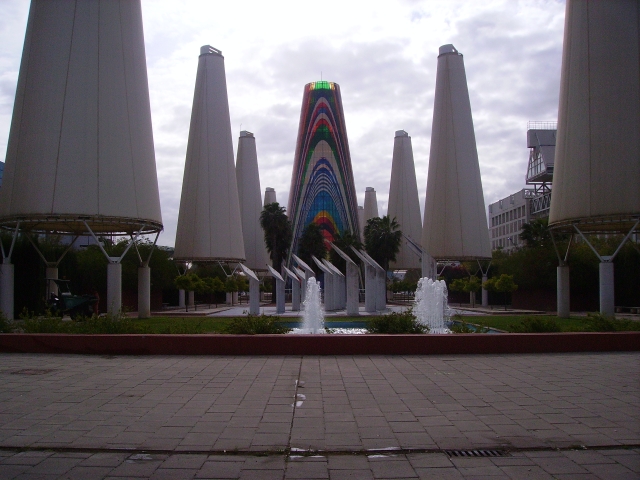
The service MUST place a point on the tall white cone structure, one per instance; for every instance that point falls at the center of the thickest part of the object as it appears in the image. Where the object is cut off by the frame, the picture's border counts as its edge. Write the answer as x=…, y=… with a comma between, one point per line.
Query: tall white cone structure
x=269, y=196
x=361, y=221
x=370, y=204
x=455, y=224
x=249, y=193
x=80, y=154
x=597, y=169
x=404, y=203
x=209, y=227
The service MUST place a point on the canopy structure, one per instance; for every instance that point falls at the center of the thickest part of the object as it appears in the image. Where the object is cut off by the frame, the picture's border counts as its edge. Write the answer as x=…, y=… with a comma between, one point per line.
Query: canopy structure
x=80, y=153
x=455, y=220
x=404, y=203
x=209, y=227
x=596, y=178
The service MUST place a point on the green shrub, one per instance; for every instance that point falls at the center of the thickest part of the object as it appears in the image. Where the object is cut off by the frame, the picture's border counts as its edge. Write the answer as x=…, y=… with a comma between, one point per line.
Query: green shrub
x=104, y=324
x=256, y=325
x=596, y=322
x=183, y=328
x=393, y=323
x=535, y=325
x=6, y=326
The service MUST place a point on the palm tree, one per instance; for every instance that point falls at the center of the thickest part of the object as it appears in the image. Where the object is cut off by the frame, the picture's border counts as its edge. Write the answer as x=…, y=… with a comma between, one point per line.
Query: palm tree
x=277, y=235
x=382, y=239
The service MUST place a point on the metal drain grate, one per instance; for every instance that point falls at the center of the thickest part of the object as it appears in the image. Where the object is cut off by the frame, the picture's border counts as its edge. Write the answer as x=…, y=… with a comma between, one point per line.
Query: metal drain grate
x=476, y=453
x=32, y=371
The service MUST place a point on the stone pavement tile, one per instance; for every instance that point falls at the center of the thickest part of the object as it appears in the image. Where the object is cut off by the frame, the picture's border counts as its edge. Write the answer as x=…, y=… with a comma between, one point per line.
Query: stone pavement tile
x=306, y=468
x=514, y=459
x=587, y=457
x=612, y=472
x=384, y=466
x=261, y=475
x=415, y=440
x=558, y=464
x=518, y=472
x=87, y=473
x=220, y=468
x=429, y=460
x=271, y=440
x=204, y=440
x=380, y=443
x=348, y=462
x=10, y=471
x=26, y=458
x=437, y=473
x=104, y=459
x=184, y=461
x=173, y=474
x=273, y=427
x=55, y=465
x=632, y=462
x=271, y=462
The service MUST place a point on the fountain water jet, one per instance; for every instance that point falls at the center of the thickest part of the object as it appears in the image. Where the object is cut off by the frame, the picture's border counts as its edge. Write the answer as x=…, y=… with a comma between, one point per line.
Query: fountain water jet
x=313, y=318
x=431, y=307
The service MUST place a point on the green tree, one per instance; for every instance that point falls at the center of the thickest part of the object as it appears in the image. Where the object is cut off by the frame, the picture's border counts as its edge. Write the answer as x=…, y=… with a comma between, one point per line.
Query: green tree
x=382, y=239
x=277, y=235
x=536, y=233
x=312, y=244
x=505, y=284
x=189, y=283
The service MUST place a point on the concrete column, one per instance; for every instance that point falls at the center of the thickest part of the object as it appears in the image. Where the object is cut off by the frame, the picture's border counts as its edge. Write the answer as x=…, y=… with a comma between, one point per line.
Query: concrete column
x=192, y=298
x=114, y=288
x=144, y=292
x=485, y=293
x=181, y=298
x=563, y=289
x=229, y=298
x=328, y=292
x=381, y=297
x=370, y=288
x=295, y=295
x=6, y=288
x=254, y=296
x=52, y=273
x=279, y=295
x=607, y=299
x=341, y=293
x=352, y=289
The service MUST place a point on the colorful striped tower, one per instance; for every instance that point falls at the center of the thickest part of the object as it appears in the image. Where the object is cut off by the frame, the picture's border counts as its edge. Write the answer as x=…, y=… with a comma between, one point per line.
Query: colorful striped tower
x=322, y=187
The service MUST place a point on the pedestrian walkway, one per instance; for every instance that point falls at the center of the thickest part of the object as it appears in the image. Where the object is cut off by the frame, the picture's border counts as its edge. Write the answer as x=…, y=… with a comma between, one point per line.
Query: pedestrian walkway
x=556, y=416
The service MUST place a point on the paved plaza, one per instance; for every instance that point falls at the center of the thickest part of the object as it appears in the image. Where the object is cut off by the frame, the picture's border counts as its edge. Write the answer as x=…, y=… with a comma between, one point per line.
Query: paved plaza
x=553, y=416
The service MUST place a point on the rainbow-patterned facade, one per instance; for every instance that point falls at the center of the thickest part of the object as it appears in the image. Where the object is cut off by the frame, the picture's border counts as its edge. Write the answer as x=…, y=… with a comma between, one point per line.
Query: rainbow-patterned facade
x=322, y=187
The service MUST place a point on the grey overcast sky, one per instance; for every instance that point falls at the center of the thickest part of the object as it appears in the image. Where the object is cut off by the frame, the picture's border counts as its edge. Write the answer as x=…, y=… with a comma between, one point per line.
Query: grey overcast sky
x=383, y=53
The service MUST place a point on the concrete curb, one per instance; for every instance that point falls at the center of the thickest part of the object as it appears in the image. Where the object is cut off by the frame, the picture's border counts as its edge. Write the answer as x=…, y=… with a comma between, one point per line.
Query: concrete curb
x=320, y=344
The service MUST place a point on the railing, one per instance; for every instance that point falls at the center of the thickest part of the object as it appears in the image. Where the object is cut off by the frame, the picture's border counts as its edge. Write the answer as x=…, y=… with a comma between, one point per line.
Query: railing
x=536, y=125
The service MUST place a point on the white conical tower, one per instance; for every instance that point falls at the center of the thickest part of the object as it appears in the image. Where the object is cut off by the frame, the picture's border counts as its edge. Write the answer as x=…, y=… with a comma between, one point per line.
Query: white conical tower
x=269, y=196
x=370, y=204
x=455, y=223
x=596, y=178
x=80, y=157
x=249, y=192
x=209, y=227
x=404, y=203
x=81, y=144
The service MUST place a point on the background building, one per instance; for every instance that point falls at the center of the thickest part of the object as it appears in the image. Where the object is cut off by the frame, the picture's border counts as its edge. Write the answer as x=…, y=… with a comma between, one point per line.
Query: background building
x=506, y=216
x=322, y=188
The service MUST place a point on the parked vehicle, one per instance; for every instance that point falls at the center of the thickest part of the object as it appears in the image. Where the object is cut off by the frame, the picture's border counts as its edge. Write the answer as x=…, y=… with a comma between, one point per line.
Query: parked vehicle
x=65, y=303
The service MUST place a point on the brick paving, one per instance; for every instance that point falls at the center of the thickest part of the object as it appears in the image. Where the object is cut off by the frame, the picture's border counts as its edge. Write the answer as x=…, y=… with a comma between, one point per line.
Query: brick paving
x=559, y=416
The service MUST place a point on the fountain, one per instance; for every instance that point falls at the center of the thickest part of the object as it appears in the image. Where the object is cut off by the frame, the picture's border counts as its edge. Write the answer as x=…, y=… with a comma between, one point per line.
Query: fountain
x=431, y=307
x=313, y=319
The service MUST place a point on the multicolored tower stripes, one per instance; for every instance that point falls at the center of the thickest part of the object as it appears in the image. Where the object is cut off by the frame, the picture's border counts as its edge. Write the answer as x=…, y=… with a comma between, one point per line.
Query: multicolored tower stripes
x=322, y=187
